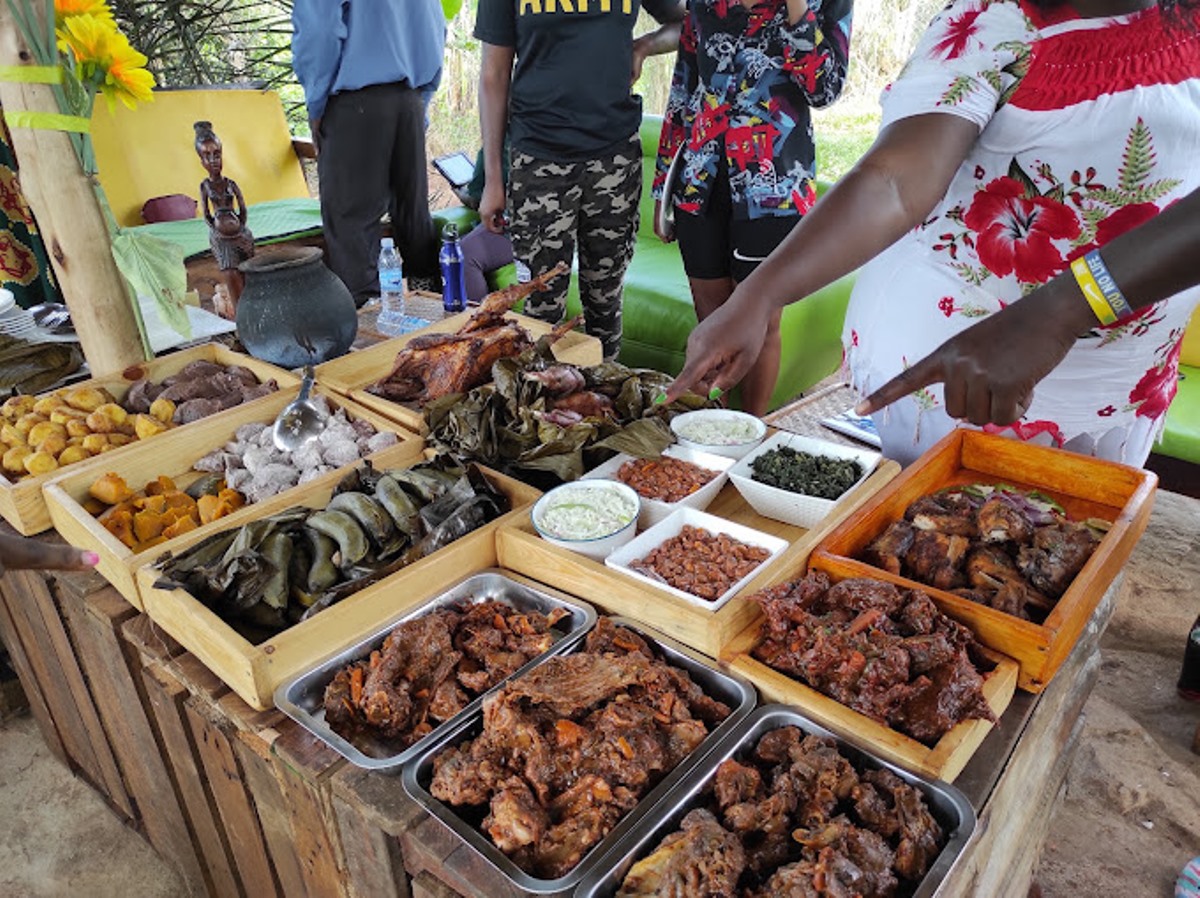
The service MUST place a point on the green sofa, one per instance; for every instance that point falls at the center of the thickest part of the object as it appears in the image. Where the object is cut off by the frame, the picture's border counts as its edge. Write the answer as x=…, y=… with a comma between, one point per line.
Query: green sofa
x=1181, y=435
x=658, y=313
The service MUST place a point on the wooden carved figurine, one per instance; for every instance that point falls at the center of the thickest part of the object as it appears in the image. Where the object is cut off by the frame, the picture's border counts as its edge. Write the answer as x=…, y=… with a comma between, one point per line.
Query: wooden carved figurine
x=225, y=211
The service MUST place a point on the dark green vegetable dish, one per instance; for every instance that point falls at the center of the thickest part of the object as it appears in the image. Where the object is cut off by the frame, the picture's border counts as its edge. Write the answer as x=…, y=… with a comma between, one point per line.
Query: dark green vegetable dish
x=802, y=472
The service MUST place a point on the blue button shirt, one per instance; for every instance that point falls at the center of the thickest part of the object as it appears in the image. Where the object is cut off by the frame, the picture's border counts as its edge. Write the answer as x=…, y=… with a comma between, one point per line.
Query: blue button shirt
x=340, y=45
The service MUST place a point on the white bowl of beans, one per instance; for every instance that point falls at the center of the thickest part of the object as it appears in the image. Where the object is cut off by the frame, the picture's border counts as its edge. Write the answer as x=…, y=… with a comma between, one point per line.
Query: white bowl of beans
x=698, y=557
x=679, y=478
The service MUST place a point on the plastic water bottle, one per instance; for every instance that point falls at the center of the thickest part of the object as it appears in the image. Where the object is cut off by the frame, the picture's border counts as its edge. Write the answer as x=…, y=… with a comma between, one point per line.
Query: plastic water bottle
x=454, y=283
x=391, y=289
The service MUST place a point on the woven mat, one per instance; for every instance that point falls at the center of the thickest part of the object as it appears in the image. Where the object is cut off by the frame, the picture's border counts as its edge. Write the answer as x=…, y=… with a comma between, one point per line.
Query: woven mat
x=804, y=415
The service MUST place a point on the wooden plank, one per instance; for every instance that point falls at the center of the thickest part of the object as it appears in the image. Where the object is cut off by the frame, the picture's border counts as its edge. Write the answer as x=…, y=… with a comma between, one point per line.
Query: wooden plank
x=254, y=671
x=22, y=503
x=173, y=454
x=165, y=697
x=49, y=675
x=374, y=861
x=234, y=804
x=96, y=623
x=30, y=685
x=425, y=885
x=303, y=768
x=1085, y=487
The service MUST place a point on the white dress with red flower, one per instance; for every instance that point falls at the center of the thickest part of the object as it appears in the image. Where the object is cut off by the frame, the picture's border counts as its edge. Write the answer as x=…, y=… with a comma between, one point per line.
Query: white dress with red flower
x=1089, y=128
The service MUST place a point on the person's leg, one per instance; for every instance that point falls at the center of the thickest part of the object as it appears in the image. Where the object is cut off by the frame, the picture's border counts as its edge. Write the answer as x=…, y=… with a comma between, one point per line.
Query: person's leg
x=608, y=224
x=483, y=251
x=353, y=170
x=412, y=225
x=543, y=210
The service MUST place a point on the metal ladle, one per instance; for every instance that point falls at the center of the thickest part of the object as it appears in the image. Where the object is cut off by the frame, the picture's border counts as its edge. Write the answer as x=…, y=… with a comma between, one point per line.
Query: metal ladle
x=301, y=420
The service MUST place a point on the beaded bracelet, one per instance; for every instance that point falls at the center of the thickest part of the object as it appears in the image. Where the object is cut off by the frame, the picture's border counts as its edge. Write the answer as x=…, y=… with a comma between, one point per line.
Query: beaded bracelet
x=1099, y=288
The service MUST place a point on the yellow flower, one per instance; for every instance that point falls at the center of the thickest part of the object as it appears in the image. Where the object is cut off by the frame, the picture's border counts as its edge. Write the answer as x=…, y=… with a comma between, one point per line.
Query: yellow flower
x=127, y=79
x=90, y=40
x=106, y=59
x=65, y=9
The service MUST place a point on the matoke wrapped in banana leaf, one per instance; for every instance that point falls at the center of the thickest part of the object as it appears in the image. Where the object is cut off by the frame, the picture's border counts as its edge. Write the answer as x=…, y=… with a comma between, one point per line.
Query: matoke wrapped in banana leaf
x=29, y=367
x=272, y=573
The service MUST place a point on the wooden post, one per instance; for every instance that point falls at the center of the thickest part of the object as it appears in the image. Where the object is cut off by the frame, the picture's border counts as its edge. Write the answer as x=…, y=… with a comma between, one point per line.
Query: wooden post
x=70, y=221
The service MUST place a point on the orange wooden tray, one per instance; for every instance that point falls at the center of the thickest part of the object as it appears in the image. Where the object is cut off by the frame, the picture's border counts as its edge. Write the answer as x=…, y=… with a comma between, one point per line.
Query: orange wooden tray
x=1086, y=487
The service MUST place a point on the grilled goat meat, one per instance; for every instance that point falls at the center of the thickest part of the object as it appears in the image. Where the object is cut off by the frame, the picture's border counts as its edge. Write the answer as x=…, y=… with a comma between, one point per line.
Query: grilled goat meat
x=794, y=817
x=585, y=735
x=908, y=666
x=1005, y=551
x=436, y=365
x=430, y=668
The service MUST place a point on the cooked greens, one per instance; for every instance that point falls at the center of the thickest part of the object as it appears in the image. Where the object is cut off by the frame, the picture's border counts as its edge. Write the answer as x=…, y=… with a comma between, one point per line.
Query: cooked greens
x=802, y=472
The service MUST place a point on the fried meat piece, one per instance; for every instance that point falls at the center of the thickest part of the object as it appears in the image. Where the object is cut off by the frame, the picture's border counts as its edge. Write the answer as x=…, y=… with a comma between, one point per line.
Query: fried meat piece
x=1059, y=551
x=734, y=783
x=937, y=558
x=887, y=550
x=699, y=860
x=515, y=818
x=950, y=513
x=941, y=698
x=1000, y=519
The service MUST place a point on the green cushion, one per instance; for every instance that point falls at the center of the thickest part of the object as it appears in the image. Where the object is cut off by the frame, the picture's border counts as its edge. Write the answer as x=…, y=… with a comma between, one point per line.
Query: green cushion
x=465, y=219
x=1181, y=436
x=270, y=222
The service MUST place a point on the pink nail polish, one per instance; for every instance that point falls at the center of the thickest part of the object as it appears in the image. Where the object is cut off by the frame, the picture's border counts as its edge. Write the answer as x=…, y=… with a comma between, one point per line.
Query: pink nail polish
x=91, y=559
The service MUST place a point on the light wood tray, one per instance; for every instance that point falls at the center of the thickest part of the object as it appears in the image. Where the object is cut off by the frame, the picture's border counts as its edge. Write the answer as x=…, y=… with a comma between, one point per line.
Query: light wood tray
x=521, y=549
x=173, y=454
x=21, y=502
x=945, y=760
x=1086, y=487
x=351, y=374
x=254, y=671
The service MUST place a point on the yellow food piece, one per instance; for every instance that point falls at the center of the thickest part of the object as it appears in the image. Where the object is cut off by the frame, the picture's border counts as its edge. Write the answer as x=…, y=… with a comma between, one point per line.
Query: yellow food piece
x=43, y=429
x=111, y=489
x=95, y=442
x=88, y=399
x=40, y=463
x=120, y=439
x=14, y=459
x=65, y=413
x=10, y=436
x=54, y=443
x=16, y=406
x=160, y=486
x=147, y=426
x=72, y=454
x=77, y=427
x=163, y=410
x=47, y=404
x=25, y=422
x=107, y=418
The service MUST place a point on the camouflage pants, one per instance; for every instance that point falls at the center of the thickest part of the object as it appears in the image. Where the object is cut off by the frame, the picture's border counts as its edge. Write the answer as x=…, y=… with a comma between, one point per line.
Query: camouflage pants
x=555, y=207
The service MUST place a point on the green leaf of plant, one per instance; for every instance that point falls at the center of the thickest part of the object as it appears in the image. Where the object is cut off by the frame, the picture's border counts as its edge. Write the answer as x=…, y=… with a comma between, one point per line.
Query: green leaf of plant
x=450, y=8
x=154, y=267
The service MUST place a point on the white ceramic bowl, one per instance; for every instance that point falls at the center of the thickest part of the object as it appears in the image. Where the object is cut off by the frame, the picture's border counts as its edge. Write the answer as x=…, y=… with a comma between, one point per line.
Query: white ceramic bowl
x=785, y=505
x=654, y=510
x=583, y=492
x=681, y=423
x=672, y=526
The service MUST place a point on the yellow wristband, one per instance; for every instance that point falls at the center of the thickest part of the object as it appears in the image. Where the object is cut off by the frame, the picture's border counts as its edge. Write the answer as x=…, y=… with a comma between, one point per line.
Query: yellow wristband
x=1092, y=292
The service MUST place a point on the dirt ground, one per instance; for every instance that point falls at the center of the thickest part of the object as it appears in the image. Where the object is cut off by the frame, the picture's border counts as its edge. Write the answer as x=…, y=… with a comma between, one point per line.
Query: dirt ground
x=1130, y=816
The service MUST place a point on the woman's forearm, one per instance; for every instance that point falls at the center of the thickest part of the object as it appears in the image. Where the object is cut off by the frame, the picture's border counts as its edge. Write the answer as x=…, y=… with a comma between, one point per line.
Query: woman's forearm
x=1160, y=258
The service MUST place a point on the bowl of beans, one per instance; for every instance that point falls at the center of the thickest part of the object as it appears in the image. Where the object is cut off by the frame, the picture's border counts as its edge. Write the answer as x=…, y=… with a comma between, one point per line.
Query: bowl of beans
x=798, y=479
x=698, y=557
x=679, y=478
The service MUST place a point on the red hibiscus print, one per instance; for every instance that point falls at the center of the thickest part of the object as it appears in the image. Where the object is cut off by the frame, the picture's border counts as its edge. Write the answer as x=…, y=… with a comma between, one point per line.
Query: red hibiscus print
x=1026, y=432
x=1016, y=232
x=959, y=32
x=1157, y=387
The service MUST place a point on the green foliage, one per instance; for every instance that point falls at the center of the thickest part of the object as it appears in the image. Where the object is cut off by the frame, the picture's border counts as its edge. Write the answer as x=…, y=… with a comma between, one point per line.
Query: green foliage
x=154, y=268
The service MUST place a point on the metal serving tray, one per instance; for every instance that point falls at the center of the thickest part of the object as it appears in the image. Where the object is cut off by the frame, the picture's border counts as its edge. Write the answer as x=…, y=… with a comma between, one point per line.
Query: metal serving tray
x=729, y=688
x=947, y=804
x=302, y=696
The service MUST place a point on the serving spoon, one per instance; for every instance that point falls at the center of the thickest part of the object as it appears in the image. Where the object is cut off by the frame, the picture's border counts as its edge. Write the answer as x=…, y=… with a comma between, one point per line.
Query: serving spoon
x=301, y=420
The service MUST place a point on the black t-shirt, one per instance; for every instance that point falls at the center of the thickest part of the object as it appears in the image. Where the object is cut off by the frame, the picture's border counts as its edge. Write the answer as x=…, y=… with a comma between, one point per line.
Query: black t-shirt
x=571, y=98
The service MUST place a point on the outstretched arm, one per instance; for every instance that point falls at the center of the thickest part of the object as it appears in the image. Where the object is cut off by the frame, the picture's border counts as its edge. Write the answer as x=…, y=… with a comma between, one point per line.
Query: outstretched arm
x=889, y=191
x=22, y=553
x=990, y=369
x=495, y=81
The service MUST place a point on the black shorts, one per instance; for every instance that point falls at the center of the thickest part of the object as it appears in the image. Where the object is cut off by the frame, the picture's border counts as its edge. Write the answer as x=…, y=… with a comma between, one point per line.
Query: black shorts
x=714, y=245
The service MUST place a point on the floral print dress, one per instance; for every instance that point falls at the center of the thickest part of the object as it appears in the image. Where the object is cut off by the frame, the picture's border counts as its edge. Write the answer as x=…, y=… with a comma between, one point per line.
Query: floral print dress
x=1089, y=127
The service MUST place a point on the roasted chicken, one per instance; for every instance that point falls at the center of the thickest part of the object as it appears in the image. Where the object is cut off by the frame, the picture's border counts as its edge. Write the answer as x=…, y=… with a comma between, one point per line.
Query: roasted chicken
x=436, y=365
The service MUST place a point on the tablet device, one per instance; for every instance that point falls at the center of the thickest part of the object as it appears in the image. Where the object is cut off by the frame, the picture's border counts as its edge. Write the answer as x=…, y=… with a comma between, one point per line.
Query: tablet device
x=457, y=168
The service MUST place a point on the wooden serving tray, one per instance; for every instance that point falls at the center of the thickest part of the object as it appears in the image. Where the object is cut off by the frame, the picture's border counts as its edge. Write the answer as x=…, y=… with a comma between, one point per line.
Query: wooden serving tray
x=1086, y=487
x=944, y=761
x=21, y=502
x=254, y=671
x=173, y=454
x=351, y=374
x=521, y=549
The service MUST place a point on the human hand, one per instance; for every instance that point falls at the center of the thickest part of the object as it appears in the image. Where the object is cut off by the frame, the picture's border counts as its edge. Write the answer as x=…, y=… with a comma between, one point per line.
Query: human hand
x=721, y=349
x=491, y=208
x=639, y=59
x=23, y=553
x=314, y=127
x=991, y=368
x=664, y=237
x=797, y=10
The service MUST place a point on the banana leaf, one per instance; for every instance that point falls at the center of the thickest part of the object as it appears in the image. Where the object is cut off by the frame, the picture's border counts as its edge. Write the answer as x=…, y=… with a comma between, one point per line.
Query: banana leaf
x=27, y=367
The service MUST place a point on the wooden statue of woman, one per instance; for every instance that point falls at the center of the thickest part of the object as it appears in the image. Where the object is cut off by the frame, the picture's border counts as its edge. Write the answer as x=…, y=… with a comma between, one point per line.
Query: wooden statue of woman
x=225, y=211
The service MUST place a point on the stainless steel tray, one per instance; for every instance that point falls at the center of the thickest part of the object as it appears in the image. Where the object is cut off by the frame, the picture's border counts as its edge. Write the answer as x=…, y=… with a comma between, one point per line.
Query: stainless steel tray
x=728, y=687
x=302, y=696
x=947, y=804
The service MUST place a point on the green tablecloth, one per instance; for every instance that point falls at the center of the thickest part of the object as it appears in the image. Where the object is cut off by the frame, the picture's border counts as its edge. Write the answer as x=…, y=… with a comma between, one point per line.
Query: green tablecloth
x=270, y=222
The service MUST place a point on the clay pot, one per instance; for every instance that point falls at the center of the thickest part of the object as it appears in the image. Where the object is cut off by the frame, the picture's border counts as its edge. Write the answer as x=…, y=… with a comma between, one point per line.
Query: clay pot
x=293, y=310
